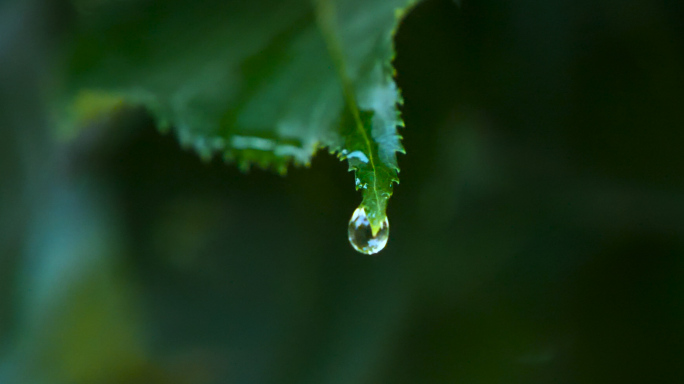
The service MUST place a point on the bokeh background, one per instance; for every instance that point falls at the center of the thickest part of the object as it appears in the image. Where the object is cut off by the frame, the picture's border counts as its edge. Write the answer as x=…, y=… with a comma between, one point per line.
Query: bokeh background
x=537, y=235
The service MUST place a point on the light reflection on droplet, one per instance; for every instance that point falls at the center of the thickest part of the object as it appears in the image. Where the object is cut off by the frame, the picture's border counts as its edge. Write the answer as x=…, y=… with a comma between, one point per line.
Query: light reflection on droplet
x=358, y=155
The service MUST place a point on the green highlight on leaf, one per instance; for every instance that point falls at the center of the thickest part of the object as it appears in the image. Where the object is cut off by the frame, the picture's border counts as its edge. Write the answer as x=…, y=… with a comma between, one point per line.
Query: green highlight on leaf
x=262, y=82
x=85, y=109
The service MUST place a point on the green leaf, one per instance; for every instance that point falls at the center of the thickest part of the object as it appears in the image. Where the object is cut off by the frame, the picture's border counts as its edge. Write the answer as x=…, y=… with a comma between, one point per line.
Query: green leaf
x=264, y=82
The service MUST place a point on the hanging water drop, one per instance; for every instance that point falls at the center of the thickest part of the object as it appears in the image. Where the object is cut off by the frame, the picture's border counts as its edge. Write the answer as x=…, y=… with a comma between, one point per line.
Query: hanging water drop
x=361, y=235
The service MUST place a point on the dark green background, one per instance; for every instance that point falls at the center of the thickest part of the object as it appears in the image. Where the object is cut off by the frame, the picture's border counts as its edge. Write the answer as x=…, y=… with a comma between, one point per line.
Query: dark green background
x=537, y=235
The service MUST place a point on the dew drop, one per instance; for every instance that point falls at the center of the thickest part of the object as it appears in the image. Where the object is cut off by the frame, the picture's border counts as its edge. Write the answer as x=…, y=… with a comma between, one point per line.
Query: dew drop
x=361, y=236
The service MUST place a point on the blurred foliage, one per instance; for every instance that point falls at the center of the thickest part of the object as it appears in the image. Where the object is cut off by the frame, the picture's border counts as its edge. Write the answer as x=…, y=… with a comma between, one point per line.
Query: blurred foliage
x=538, y=234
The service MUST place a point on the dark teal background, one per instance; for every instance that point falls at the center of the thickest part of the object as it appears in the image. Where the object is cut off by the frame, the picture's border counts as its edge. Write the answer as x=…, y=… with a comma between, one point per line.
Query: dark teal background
x=537, y=235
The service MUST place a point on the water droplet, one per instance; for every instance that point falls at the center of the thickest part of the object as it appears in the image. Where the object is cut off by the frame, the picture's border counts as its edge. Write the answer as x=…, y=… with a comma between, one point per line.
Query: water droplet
x=358, y=155
x=361, y=236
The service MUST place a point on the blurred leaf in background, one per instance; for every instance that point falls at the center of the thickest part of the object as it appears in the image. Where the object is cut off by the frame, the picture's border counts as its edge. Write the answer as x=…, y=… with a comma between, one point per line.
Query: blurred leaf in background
x=538, y=234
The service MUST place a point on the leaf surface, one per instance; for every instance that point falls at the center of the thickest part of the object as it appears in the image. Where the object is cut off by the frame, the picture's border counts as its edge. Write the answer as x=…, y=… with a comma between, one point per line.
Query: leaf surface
x=262, y=82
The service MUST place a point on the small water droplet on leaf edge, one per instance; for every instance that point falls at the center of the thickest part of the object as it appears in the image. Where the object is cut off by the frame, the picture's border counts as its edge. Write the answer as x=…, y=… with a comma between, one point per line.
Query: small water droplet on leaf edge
x=361, y=236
